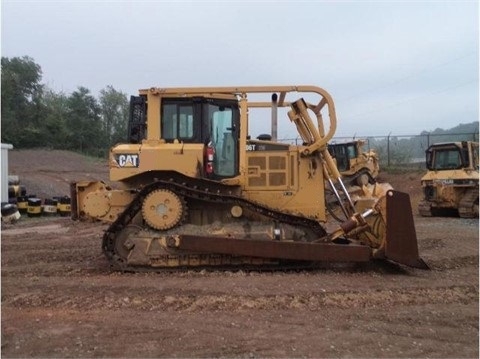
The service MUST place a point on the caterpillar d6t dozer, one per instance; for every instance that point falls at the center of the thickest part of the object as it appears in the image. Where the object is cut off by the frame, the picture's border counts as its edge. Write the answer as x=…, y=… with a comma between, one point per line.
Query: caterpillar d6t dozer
x=195, y=190
x=451, y=182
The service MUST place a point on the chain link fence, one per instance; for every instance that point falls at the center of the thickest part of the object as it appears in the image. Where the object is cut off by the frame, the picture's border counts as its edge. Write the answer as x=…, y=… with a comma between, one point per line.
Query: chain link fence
x=404, y=150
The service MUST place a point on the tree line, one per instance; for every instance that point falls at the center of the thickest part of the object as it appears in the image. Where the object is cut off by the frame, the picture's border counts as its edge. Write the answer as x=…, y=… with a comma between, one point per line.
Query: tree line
x=34, y=115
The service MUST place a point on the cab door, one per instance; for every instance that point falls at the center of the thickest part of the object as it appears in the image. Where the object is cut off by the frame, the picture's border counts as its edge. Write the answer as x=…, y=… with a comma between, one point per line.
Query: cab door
x=221, y=132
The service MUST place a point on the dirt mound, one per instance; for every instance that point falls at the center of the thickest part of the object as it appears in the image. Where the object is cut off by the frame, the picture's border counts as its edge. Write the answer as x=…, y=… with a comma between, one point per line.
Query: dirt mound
x=48, y=173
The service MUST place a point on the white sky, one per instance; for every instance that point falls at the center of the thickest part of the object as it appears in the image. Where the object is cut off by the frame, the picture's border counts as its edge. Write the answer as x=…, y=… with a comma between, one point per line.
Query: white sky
x=391, y=67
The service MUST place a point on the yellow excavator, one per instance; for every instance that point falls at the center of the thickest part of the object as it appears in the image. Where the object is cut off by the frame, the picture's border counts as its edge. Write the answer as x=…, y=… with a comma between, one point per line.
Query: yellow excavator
x=193, y=189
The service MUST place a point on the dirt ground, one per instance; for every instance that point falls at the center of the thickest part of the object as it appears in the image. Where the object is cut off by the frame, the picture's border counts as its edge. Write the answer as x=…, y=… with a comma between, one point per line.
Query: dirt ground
x=60, y=299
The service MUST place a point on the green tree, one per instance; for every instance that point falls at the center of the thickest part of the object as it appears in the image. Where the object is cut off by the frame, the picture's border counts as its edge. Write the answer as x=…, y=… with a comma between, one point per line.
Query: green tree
x=114, y=111
x=55, y=115
x=84, y=125
x=21, y=101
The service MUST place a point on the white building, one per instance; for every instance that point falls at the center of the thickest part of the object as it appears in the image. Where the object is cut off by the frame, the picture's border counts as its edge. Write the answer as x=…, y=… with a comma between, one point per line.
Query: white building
x=4, y=171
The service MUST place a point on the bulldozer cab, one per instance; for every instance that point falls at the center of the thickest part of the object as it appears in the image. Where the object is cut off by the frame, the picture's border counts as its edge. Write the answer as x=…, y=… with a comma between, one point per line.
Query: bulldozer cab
x=343, y=153
x=356, y=166
x=213, y=123
x=452, y=156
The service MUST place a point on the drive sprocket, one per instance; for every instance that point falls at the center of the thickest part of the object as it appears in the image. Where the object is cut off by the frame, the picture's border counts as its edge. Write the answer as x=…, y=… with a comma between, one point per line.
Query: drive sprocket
x=162, y=209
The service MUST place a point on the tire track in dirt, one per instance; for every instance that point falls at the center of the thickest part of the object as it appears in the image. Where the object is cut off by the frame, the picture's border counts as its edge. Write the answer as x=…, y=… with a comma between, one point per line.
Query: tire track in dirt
x=113, y=299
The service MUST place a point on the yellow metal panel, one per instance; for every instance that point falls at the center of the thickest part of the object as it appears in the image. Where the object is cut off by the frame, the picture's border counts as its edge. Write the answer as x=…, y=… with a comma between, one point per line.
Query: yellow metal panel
x=272, y=180
x=156, y=156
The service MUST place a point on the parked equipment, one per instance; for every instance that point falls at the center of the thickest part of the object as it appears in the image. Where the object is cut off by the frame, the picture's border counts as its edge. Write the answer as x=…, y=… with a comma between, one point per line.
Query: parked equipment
x=451, y=182
x=357, y=166
x=196, y=190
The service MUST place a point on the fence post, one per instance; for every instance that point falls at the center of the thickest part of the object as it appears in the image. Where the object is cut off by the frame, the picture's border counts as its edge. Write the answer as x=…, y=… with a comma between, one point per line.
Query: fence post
x=388, y=149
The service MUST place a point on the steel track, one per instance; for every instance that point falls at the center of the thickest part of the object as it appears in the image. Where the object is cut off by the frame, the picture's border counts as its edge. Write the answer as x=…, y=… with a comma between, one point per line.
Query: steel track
x=191, y=188
x=466, y=207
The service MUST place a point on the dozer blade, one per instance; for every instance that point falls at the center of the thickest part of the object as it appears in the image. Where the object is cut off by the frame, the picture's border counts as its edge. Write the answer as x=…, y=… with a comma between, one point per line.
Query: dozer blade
x=401, y=245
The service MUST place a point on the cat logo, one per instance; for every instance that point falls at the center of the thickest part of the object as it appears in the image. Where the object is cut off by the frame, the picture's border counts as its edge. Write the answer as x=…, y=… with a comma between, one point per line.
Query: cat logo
x=128, y=160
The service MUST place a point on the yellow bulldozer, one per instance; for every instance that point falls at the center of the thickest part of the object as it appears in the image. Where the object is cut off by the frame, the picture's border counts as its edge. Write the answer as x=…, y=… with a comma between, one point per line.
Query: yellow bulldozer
x=194, y=189
x=451, y=182
x=357, y=166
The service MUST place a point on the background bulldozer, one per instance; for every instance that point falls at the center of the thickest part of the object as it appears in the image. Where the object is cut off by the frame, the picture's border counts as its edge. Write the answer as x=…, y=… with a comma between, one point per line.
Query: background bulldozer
x=451, y=182
x=195, y=190
x=357, y=166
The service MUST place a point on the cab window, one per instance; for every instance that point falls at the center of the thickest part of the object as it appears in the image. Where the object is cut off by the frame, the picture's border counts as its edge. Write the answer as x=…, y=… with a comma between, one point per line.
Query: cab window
x=352, y=151
x=447, y=159
x=177, y=121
